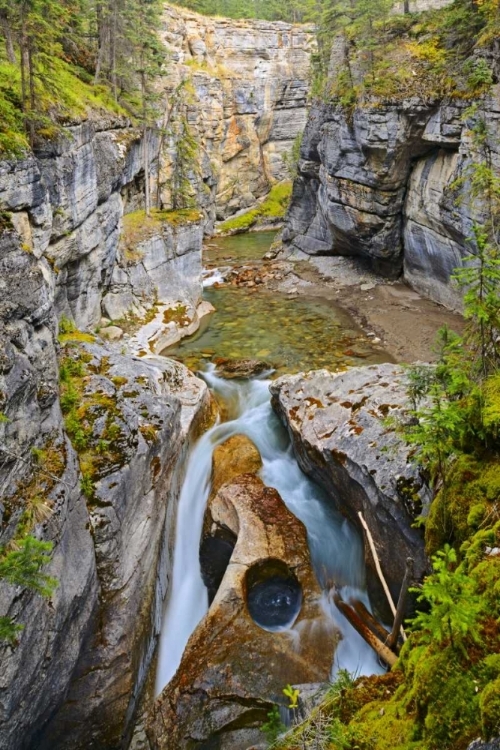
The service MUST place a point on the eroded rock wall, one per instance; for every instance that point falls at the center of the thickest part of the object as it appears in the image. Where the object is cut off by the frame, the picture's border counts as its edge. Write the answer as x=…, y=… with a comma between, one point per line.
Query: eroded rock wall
x=242, y=88
x=76, y=675
x=391, y=183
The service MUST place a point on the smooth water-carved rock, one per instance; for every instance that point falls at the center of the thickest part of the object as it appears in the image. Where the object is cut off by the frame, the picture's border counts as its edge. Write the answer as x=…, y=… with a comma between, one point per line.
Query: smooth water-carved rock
x=341, y=437
x=237, y=455
x=233, y=669
x=391, y=184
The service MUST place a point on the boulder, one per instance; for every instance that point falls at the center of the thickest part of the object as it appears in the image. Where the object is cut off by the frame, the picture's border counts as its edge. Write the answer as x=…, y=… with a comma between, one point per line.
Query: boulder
x=339, y=427
x=237, y=455
x=264, y=629
x=240, y=368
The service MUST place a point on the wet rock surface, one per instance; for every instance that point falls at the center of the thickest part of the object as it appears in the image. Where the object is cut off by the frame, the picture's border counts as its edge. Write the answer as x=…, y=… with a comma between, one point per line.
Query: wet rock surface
x=240, y=368
x=341, y=437
x=233, y=670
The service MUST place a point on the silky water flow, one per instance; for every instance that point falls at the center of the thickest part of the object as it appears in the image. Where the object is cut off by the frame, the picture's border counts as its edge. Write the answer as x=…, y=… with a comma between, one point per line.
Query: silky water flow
x=335, y=546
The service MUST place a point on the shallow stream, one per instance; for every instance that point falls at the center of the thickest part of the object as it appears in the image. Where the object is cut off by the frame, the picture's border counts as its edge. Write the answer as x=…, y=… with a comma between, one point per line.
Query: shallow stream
x=294, y=335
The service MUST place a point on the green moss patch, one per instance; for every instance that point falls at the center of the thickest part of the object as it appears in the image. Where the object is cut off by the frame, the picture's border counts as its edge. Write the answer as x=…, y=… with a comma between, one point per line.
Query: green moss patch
x=137, y=228
x=273, y=208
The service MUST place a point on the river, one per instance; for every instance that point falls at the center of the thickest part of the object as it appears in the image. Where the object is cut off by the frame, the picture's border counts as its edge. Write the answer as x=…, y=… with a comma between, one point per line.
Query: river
x=293, y=335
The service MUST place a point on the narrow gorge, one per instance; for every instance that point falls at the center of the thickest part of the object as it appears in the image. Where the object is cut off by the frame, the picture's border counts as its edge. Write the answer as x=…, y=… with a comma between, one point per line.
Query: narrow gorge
x=223, y=459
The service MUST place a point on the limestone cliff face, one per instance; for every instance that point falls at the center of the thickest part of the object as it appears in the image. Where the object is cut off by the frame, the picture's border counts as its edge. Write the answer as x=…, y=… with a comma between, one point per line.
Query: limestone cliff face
x=241, y=86
x=75, y=676
x=68, y=202
x=391, y=184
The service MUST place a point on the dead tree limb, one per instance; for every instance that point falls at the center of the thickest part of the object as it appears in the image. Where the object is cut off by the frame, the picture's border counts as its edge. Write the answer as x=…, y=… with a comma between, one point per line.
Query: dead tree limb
x=369, y=619
x=379, y=569
x=375, y=643
x=400, y=610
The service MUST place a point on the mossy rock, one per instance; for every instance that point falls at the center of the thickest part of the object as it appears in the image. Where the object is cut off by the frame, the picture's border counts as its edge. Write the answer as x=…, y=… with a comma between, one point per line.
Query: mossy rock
x=460, y=508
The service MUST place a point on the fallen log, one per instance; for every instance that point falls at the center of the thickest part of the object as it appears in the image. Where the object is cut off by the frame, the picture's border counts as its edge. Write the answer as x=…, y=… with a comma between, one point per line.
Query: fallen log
x=367, y=617
x=375, y=643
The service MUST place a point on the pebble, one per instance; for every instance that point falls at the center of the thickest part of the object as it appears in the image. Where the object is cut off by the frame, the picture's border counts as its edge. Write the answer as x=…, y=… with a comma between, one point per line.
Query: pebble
x=367, y=287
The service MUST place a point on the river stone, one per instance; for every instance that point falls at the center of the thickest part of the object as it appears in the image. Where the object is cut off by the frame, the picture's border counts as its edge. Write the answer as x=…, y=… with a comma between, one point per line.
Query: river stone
x=233, y=671
x=493, y=744
x=240, y=368
x=337, y=423
x=237, y=455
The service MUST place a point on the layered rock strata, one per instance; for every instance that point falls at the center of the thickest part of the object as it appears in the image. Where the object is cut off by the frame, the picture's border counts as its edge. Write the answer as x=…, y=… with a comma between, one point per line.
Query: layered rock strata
x=391, y=183
x=339, y=429
x=76, y=674
x=233, y=669
x=241, y=87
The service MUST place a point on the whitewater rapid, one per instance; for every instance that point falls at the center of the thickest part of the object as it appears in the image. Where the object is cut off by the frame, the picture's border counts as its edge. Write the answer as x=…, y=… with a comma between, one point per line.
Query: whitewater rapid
x=336, y=549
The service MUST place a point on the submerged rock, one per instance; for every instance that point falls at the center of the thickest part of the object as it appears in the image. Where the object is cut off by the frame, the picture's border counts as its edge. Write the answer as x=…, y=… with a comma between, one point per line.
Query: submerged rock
x=234, y=669
x=339, y=428
x=240, y=368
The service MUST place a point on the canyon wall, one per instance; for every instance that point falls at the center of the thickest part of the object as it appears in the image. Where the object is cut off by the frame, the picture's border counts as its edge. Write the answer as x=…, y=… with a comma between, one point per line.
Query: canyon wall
x=391, y=183
x=105, y=498
x=239, y=89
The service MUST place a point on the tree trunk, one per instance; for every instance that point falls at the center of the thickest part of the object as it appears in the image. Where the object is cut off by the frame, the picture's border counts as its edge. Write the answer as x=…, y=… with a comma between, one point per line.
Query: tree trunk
x=7, y=32
x=146, y=171
x=31, y=70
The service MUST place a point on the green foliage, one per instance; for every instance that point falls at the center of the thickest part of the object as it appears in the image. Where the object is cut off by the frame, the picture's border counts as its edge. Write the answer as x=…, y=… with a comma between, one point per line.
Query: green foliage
x=21, y=566
x=66, y=325
x=293, y=696
x=291, y=159
x=60, y=61
x=294, y=11
x=273, y=727
x=454, y=605
x=9, y=630
x=389, y=57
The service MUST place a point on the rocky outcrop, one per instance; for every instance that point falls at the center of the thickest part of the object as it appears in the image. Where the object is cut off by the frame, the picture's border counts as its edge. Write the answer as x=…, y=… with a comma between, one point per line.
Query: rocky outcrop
x=390, y=182
x=68, y=204
x=157, y=261
x=338, y=427
x=241, y=87
x=146, y=410
x=77, y=673
x=265, y=629
x=36, y=672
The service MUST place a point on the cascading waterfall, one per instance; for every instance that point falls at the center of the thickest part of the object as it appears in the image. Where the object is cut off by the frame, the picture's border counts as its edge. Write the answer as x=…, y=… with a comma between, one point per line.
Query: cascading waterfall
x=336, y=549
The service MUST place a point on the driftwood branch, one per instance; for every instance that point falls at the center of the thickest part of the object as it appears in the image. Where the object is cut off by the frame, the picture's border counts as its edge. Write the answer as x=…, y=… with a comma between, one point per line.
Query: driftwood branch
x=379, y=570
x=400, y=610
x=369, y=620
x=376, y=644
